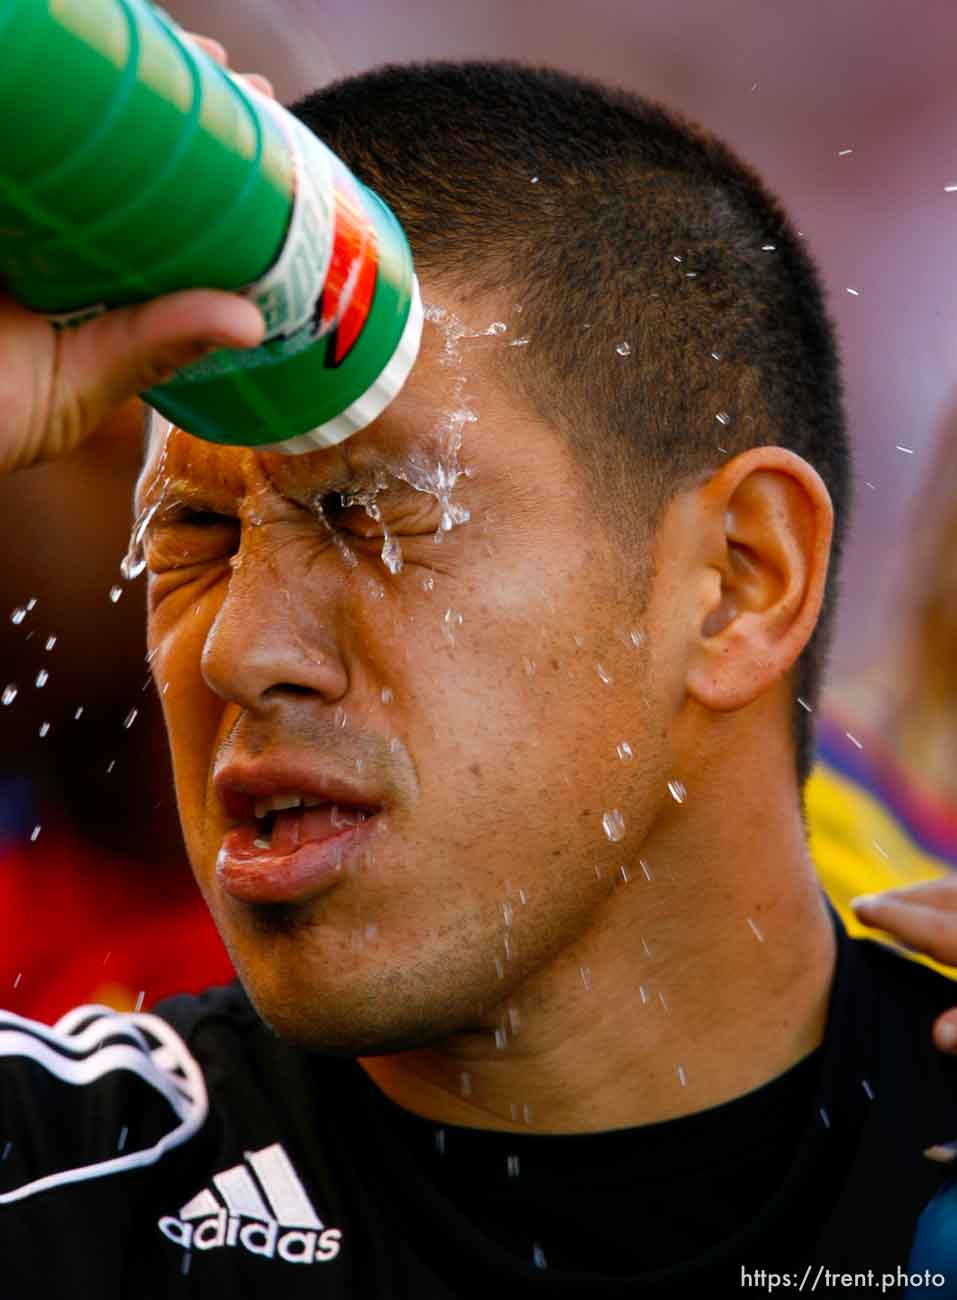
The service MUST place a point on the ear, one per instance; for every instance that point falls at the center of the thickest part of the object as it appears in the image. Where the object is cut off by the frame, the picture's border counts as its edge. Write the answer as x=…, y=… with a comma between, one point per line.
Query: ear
x=766, y=522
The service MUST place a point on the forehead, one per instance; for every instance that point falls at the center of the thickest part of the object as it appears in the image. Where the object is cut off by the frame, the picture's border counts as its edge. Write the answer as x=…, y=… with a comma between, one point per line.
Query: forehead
x=458, y=383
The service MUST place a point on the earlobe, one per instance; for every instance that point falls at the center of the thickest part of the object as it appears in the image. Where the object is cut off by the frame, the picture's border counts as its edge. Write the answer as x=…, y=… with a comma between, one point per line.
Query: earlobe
x=770, y=552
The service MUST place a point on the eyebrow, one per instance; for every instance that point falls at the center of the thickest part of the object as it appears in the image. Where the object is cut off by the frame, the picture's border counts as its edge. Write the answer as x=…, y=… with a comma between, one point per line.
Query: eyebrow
x=163, y=491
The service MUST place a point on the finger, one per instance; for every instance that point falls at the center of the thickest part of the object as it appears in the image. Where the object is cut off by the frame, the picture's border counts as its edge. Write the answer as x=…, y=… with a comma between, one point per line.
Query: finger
x=945, y=1031
x=213, y=48
x=927, y=929
x=941, y=892
x=261, y=83
x=124, y=352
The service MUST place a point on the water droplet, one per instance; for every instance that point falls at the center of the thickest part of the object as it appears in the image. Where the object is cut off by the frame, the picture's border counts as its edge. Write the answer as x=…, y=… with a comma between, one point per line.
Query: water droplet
x=465, y=1083
x=497, y=327
x=121, y=1142
x=804, y=705
x=508, y=912
x=44, y=729
x=522, y=897
x=604, y=674
x=392, y=555
x=115, y=594
x=623, y=349
x=723, y=417
x=675, y=257
x=18, y=615
x=140, y=999
x=663, y=1000
x=614, y=825
x=768, y=248
x=16, y=985
x=646, y=870
x=428, y=582
x=518, y=343
x=677, y=791
x=868, y=1089
x=645, y=946
x=79, y=714
x=452, y=620
x=42, y=678
x=756, y=929
x=35, y=834
x=538, y=1256
x=31, y=604
x=130, y=718
x=682, y=1077
x=529, y=667
x=50, y=643
x=395, y=744
x=881, y=850
x=825, y=1117
x=110, y=766
x=625, y=751
x=386, y=696
x=6, y=1150
x=512, y=1166
x=440, y=1141
x=340, y=717
x=623, y=872
x=501, y=1039
x=855, y=292
x=909, y=451
x=534, y=180
x=585, y=973
x=854, y=740
x=636, y=639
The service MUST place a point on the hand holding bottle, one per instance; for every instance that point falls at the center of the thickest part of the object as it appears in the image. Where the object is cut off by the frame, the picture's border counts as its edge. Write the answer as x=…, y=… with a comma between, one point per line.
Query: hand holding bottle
x=57, y=387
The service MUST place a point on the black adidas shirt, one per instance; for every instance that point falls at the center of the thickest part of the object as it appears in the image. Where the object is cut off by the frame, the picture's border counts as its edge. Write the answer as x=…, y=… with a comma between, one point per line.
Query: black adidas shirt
x=189, y=1153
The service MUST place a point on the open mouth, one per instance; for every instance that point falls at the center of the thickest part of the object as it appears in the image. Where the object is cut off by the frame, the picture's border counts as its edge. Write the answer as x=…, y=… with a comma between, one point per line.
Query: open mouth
x=284, y=822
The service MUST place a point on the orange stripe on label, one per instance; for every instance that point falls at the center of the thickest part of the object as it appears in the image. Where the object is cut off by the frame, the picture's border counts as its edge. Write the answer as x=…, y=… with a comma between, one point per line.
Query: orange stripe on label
x=353, y=269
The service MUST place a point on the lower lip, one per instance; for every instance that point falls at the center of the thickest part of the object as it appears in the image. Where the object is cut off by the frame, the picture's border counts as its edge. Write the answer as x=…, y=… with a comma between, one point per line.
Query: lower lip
x=254, y=875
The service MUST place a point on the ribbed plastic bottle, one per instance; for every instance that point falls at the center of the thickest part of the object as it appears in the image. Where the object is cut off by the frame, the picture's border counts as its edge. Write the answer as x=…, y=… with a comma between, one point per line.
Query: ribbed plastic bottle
x=131, y=165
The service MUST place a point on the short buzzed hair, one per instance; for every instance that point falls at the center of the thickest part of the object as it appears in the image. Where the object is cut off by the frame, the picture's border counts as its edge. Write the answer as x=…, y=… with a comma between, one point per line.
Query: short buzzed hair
x=674, y=318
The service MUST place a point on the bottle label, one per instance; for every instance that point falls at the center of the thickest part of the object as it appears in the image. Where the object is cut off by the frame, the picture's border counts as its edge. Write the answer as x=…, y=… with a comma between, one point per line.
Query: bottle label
x=288, y=293
x=325, y=276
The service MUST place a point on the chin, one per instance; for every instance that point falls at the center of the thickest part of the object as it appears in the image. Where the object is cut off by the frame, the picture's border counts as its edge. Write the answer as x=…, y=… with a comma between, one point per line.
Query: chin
x=360, y=1012
x=330, y=1030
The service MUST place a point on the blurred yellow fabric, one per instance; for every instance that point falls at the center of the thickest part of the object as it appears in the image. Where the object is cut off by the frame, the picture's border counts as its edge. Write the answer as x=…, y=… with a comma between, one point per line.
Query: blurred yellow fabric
x=871, y=829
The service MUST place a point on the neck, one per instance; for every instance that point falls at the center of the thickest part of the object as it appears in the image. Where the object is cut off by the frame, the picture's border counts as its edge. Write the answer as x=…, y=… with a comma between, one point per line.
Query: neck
x=691, y=988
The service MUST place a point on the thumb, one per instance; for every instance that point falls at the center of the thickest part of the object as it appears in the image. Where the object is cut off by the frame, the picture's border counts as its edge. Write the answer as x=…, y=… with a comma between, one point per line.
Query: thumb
x=130, y=349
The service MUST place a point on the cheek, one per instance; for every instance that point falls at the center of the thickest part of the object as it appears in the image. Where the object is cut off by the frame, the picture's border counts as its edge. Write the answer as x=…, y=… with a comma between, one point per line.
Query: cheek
x=192, y=712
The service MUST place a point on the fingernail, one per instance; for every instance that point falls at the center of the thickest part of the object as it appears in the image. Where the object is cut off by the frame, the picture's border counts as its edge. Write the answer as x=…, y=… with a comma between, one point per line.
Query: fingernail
x=865, y=900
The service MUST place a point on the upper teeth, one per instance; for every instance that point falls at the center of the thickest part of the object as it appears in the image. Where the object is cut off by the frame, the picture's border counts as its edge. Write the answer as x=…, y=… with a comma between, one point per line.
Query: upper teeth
x=279, y=802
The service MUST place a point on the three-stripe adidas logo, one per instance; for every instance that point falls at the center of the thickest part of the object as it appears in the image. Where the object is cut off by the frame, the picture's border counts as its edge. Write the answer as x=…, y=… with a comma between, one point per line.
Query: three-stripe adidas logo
x=267, y=1194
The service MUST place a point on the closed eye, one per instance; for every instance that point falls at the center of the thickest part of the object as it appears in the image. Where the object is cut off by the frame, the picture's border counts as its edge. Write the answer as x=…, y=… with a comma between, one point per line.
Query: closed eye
x=184, y=515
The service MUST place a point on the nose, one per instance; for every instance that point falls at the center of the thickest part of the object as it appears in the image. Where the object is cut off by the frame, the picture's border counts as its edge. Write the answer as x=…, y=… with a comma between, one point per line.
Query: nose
x=272, y=636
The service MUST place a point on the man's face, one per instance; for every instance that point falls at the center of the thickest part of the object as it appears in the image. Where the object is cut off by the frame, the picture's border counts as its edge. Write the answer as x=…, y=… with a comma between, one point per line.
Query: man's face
x=456, y=724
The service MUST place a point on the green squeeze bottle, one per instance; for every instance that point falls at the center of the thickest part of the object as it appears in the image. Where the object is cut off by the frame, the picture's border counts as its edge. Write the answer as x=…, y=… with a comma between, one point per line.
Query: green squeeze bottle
x=132, y=165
